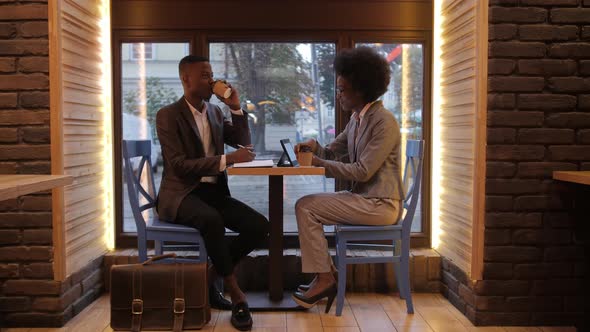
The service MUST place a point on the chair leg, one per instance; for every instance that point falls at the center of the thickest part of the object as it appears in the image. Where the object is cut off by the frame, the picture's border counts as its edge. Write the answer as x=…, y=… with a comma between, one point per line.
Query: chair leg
x=218, y=282
x=399, y=279
x=341, y=255
x=158, y=247
x=203, y=257
x=336, y=256
x=405, y=275
x=142, y=249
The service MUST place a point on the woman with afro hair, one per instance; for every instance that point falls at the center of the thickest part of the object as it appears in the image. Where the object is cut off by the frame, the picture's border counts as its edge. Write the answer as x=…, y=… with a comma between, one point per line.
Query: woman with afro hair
x=367, y=153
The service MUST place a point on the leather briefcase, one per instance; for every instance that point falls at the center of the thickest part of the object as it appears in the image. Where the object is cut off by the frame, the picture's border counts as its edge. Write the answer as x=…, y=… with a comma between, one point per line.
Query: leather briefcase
x=167, y=296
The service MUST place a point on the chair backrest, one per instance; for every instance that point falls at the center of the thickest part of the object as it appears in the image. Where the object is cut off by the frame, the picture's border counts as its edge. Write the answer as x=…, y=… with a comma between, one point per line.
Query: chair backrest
x=135, y=189
x=412, y=180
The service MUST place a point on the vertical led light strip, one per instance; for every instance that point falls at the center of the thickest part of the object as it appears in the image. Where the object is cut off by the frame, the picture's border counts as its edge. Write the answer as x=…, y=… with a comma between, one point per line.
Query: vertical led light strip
x=106, y=84
x=142, y=87
x=406, y=97
x=436, y=126
x=142, y=115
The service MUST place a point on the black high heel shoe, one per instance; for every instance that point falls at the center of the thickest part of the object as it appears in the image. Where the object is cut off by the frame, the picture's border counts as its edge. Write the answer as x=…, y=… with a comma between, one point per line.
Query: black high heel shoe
x=308, y=302
x=304, y=288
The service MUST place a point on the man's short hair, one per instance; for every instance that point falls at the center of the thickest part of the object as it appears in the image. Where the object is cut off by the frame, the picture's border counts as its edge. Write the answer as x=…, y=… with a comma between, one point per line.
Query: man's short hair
x=367, y=71
x=189, y=59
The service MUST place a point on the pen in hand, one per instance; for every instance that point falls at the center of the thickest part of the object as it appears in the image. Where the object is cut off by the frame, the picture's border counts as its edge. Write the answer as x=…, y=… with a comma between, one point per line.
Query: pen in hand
x=242, y=154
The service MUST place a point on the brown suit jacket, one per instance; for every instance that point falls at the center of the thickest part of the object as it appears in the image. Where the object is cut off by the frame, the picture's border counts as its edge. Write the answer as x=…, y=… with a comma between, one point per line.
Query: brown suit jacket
x=375, y=165
x=183, y=153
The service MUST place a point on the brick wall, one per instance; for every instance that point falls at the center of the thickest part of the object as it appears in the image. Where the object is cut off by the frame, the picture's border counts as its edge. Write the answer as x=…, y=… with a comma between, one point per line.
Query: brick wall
x=28, y=294
x=538, y=122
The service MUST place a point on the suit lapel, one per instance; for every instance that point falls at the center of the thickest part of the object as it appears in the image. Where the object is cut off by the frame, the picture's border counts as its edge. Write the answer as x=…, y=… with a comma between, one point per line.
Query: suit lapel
x=215, y=128
x=350, y=139
x=188, y=116
x=363, y=128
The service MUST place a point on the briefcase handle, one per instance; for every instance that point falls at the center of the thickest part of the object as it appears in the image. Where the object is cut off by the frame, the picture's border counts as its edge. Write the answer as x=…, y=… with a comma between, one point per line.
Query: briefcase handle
x=160, y=257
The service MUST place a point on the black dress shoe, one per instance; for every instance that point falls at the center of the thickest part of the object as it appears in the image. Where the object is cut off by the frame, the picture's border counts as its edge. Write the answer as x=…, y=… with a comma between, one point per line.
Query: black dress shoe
x=308, y=302
x=216, y=299
x=241, y=318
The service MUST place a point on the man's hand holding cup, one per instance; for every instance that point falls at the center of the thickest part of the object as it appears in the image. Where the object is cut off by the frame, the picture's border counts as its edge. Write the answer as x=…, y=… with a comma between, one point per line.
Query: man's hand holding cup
x=226, y=93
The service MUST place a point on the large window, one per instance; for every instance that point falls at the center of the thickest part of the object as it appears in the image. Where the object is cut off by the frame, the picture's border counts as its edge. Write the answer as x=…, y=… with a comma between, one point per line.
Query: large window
x=288, y=90
x=147, y=86
x=282, y=65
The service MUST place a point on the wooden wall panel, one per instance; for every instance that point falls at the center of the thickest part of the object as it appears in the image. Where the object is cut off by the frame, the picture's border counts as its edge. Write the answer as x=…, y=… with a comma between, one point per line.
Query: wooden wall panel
x=462, y=122
x=79, y=133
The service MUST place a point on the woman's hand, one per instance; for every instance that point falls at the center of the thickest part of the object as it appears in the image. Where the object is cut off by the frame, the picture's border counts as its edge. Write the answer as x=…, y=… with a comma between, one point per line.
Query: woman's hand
x=316, y=161
x=311, y=143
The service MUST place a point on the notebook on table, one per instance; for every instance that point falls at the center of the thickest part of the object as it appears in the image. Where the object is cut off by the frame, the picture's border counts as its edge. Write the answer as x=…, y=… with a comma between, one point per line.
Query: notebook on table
x=256, y=163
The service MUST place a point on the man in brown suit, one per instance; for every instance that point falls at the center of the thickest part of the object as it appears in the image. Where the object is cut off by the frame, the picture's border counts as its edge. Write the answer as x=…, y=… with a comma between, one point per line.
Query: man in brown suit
x=194, y=189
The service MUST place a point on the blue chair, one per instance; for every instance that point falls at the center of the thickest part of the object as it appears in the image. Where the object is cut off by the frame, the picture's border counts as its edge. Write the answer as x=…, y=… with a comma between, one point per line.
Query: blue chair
x=399, y=234
x=150, y=227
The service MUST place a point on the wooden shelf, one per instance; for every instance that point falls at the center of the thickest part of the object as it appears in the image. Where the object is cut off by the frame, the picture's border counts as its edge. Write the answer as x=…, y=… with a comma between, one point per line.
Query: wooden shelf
x=581, y=177
x=14, y=185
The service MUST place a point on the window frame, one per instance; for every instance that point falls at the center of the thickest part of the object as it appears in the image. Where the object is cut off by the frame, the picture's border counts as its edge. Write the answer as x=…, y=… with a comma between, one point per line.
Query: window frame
x=199, y=40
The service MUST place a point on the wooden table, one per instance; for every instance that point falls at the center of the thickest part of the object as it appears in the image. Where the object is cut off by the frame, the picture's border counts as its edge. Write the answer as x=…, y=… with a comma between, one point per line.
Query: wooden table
x=14, y=185
x=276, y=299
x=581, y=177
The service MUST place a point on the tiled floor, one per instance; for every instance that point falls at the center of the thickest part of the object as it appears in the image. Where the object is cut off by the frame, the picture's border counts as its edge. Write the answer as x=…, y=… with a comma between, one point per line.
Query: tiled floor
x=362, y=312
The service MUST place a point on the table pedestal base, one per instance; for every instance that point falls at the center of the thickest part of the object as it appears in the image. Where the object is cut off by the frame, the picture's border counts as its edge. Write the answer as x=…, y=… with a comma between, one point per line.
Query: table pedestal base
x=259, y=301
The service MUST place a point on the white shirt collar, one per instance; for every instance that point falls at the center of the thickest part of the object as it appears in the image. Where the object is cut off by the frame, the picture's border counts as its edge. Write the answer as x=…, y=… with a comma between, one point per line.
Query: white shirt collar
x=364, y=110
x=194, y=109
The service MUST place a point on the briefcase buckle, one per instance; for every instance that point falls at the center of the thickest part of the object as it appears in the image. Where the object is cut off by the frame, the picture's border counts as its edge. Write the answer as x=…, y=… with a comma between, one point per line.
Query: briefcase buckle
x=179, y=306
x=137, y=306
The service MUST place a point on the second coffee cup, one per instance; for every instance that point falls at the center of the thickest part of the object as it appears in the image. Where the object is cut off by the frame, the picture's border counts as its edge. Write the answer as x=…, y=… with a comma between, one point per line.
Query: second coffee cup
x=304, y=155
x=221, y=89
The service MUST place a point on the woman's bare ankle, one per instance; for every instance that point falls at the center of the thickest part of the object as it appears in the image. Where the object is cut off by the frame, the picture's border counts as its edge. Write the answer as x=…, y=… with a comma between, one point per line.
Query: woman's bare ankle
x=326, y=278
x=321, y=283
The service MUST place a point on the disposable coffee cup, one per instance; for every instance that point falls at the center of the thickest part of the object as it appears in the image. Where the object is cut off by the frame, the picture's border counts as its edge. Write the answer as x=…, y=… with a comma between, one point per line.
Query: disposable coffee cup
x=304, y=155
x=221, y=89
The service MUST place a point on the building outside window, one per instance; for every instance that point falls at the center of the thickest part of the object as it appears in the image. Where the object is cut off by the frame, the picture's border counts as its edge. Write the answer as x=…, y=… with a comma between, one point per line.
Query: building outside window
x=142, y=51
